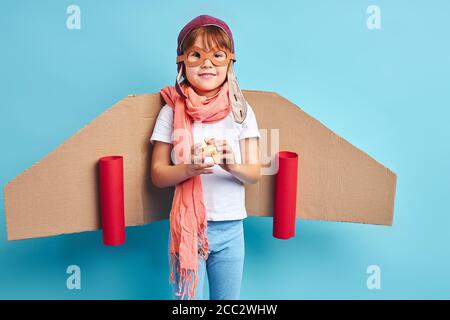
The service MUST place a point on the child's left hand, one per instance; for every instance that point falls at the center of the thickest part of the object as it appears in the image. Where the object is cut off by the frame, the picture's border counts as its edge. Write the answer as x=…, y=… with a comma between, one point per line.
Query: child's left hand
x=227, y=159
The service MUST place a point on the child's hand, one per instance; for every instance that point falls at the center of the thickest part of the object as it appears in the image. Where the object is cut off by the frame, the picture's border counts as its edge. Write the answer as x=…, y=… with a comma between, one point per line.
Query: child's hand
x=226, y=155
x=199, y=168
x=197, y=165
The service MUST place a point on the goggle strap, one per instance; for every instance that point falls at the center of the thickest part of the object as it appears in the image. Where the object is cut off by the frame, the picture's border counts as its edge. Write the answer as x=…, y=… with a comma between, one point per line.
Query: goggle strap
x=237, y=100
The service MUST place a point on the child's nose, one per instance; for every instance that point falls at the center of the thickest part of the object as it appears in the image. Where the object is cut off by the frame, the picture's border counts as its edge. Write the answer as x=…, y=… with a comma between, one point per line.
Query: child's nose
x=207, y=62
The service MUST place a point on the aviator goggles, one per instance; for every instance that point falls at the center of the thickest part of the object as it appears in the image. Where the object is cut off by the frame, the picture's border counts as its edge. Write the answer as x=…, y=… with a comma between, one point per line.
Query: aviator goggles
x=194, y=56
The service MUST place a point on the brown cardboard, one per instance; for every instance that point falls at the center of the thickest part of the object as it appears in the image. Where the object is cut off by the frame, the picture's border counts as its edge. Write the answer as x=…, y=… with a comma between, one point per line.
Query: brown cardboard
x=59, y=194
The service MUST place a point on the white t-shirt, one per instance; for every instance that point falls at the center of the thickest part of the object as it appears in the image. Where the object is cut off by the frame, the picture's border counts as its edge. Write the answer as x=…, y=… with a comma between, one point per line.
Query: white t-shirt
x=224, y=194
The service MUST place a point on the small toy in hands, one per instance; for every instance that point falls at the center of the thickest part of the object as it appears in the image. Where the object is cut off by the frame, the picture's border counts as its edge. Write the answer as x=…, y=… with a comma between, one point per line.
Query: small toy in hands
x=210, y=150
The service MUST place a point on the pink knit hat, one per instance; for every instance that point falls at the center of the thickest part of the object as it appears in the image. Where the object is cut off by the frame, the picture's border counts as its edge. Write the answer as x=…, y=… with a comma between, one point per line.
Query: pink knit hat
x=203, y=20
x=238, y=103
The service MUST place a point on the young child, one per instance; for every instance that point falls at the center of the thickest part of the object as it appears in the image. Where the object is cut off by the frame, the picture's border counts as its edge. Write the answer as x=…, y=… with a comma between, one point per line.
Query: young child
x=206, y=118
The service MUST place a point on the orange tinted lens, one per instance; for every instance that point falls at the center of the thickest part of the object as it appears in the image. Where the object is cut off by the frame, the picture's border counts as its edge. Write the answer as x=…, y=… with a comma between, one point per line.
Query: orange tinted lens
x=220, y=56
x=193, y=56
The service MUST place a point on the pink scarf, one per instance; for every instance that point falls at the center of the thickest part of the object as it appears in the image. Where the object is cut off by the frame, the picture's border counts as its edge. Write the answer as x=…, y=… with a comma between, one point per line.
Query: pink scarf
x=188, y=219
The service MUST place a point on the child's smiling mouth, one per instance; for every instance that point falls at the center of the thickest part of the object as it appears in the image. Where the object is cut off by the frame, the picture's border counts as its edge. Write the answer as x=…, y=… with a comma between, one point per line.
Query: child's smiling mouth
x=206, y=75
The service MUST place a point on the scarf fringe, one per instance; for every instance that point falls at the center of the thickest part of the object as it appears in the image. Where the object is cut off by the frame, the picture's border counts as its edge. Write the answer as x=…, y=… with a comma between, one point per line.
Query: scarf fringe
x=188, y=279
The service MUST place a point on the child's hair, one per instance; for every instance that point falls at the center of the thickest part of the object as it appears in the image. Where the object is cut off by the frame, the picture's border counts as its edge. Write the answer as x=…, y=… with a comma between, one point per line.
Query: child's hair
x=211, y=36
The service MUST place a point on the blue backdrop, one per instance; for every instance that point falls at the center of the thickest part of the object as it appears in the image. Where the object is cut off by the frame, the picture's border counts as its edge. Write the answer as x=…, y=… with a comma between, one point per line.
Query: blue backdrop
x=384, y=90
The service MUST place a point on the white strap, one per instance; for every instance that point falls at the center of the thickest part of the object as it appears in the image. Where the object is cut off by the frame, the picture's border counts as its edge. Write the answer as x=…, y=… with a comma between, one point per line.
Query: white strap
x=238, y=103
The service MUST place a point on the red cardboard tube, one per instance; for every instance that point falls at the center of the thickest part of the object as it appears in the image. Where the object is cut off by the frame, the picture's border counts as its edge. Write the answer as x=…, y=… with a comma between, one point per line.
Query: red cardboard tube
x=112, y=200
x=285, y=195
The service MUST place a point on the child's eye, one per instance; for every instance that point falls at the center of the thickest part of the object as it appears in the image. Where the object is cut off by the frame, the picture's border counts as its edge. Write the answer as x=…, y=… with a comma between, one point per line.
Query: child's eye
x=193, y=56
x=220, y=55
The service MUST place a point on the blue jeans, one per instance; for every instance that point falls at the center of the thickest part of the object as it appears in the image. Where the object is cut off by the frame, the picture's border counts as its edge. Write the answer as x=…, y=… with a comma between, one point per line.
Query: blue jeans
x=225, y=262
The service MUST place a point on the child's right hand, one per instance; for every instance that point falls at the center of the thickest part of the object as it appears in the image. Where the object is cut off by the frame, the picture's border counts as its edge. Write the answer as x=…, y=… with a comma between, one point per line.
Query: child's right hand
x=199, y=168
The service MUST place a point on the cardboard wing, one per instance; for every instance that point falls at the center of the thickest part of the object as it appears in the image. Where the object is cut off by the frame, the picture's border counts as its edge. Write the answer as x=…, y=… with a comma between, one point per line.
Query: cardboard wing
x=59, y=194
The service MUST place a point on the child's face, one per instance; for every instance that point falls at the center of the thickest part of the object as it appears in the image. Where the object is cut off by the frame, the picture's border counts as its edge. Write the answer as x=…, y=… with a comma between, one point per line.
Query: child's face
x=206, y=78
